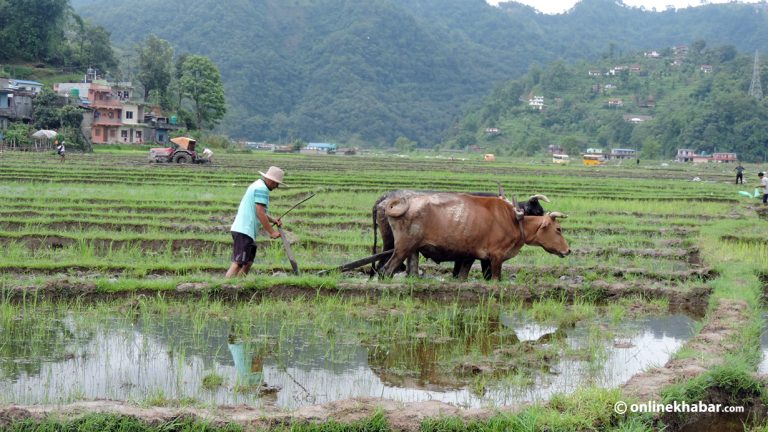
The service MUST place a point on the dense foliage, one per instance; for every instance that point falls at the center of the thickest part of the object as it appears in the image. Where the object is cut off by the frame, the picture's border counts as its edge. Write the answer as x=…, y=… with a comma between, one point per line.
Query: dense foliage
x=666, y=103
x=370, y=72
x=48, y=30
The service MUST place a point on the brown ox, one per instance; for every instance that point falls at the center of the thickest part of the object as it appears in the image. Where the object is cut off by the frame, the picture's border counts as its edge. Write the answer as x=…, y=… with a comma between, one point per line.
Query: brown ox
x=461, y=227
x=532, y=207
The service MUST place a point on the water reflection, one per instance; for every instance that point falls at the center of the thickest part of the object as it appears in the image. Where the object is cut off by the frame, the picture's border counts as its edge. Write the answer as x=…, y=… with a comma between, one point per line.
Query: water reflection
x=136, y=359
x=762, y=368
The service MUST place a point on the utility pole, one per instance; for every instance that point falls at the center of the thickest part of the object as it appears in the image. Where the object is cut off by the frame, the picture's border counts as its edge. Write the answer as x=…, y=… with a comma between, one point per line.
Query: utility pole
x=755, y=88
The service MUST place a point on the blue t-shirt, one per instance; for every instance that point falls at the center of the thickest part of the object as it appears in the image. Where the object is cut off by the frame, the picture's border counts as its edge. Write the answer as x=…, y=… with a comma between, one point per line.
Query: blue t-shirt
x=246, y=221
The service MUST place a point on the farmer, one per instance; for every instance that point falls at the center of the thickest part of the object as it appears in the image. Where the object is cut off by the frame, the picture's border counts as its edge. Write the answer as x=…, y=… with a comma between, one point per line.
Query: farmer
x=208, y=154
x=60, y=150
x=739, y=174
x=251, y=216
x=764, y=183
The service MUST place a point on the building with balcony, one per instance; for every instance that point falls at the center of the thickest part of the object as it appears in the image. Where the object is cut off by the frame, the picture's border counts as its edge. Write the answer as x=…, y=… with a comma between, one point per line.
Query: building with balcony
x=724, y=157
x=107, y=112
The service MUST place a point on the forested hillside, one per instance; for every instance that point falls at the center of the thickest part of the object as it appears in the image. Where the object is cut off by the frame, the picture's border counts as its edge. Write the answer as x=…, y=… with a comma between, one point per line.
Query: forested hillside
x=697, y=99
x=367, y=72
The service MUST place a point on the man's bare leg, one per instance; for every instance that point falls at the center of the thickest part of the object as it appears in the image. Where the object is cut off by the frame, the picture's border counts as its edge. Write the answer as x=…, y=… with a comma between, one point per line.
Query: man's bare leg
x=234, y=269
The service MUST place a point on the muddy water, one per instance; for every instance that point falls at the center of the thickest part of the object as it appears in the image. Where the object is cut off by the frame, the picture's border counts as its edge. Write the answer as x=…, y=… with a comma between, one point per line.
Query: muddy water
x=151, y=359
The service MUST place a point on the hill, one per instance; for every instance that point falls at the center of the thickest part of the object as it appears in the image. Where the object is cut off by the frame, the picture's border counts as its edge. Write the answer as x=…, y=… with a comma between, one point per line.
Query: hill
x=695, y=98
x=369, y=72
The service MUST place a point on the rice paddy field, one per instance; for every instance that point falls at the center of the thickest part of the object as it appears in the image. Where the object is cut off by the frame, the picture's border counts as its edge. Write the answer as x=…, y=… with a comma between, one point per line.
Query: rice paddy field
x=115, y=315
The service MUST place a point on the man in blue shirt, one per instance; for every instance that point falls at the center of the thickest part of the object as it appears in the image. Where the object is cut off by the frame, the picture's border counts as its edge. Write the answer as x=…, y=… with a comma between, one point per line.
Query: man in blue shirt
x=251, y=216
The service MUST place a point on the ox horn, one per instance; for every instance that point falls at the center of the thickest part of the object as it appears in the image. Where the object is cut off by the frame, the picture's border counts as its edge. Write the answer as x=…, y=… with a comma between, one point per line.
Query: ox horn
x=539, y=197
x=555, y=215
x=501, y=189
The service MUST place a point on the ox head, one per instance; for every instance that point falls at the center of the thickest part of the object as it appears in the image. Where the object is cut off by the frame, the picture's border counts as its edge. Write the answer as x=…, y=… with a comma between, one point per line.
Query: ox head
x=549, y=235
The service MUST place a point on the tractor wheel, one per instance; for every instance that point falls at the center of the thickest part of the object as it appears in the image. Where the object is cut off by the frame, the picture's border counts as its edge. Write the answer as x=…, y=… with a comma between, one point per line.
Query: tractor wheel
x=182, y=158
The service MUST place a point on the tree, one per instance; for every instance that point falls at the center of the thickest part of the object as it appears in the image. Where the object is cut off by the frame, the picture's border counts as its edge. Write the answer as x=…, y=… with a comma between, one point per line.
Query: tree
x=96, y=49
x=404, y=144
x=201, y=83
x=155, y=65
x=30, y=28
x=298, y=145
x=46, y=110
x=651, y=148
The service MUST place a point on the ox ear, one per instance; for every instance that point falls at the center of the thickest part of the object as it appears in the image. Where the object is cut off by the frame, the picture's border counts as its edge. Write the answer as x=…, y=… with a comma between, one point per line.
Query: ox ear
x=555, y=215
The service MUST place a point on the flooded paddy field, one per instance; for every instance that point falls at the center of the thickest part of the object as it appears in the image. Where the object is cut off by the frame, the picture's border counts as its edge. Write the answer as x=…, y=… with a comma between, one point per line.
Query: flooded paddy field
x=111, y=276
x=293, y=354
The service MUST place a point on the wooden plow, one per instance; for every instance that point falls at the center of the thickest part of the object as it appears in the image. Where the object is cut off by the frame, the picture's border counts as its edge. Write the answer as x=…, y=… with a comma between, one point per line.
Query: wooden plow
x=359, y=263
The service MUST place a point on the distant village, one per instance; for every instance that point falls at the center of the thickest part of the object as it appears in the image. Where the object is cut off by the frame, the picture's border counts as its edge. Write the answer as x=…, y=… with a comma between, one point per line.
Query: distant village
x=114, y=113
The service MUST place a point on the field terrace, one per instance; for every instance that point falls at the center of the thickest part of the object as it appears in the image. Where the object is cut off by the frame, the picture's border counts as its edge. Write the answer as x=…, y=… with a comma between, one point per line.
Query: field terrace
x=111, y=229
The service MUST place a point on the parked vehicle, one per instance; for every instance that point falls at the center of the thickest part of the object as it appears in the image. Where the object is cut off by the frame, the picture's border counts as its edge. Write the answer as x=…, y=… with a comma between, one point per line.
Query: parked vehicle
x=593, y=159
x=560, y=158
x=182, y=151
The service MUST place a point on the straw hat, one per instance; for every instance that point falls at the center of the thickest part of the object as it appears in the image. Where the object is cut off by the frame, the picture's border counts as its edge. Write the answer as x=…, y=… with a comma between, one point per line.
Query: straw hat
x=275, y=174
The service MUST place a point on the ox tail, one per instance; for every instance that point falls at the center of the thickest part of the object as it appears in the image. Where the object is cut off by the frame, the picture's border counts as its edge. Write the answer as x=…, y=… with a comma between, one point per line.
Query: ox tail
x=397, y=207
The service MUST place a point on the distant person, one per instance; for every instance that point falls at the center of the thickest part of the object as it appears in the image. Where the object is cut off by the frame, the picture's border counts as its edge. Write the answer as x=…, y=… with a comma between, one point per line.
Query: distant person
x=208, y=155
x=764, y=183
x=251, y=216
x=739, y=174
x=638, y=161
x=61, y=150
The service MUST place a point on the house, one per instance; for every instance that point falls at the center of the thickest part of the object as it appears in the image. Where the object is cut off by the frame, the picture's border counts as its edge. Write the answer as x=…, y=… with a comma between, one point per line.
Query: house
x=33, y=87
x=76, y=92
x=635, y=68
x=652, y=54
x=594, y=72
x=492, y=131
x=680, y=50
x=724, y=157
x=15, y=103
x=132, y=128
x=158, y=125
x=107, y=113
x=537, y=102
x=319, y=148
x=555, y=149
x=706, y=68
x=623, y=153
x=688, y=155
x=616, y=70
x=595, y=151
x=685, y=155
x=615, y=103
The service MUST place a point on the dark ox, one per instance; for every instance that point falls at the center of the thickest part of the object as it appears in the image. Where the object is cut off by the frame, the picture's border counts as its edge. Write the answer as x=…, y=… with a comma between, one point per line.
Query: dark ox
x=461, y=267
x=461, y=227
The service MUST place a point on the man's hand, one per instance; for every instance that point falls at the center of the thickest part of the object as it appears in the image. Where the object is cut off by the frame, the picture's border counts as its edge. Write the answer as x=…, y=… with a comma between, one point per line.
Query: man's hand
x=274, y=234
x=278, y=222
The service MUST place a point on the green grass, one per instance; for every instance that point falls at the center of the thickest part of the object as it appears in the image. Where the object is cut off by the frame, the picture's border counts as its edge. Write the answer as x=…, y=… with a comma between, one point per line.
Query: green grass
x=124, y=222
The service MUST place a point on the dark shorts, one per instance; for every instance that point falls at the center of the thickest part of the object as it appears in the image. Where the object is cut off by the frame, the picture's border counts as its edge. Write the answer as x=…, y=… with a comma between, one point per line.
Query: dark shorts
x=244, y=249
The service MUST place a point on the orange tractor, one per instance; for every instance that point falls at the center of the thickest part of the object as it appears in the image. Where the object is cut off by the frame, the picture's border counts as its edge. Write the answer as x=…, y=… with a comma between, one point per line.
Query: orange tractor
x=182, y=151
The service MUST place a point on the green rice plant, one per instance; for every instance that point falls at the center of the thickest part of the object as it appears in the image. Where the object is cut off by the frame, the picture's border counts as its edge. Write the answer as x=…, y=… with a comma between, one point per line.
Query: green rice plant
x=212, y=380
